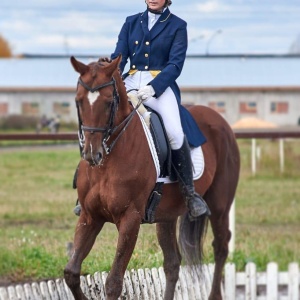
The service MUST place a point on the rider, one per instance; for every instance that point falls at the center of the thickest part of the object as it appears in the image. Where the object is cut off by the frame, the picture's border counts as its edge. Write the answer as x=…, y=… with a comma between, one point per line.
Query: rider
x=155, y=41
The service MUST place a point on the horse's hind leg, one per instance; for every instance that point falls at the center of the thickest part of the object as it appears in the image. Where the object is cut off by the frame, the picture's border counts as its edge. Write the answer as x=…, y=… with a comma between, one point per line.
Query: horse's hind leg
x=84, y=240
x=166, y=234
x=222, y=237
x=220, y=225
x=128, y=232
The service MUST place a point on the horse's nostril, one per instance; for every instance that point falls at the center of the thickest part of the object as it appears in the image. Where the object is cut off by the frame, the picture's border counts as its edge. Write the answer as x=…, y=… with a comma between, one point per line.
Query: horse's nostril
x=96, y=158
x=99, y=156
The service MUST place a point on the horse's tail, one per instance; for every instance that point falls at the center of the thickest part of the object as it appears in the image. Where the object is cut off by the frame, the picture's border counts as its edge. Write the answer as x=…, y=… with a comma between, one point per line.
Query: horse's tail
x=191, y=239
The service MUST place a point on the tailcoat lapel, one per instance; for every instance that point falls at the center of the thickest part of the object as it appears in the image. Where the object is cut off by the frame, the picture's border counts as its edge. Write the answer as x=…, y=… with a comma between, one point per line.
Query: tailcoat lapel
x=160, y=24
x=144, y=22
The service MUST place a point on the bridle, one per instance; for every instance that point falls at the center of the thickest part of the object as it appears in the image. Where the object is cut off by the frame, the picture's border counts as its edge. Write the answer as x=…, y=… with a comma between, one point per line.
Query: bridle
x=110, y=128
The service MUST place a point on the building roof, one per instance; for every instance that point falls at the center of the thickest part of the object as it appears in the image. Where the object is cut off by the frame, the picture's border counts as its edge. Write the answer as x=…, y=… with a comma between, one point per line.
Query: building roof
x=214, y=71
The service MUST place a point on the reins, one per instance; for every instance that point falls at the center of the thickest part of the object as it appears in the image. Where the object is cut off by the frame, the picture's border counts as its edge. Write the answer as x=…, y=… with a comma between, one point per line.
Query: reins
x=110, y=129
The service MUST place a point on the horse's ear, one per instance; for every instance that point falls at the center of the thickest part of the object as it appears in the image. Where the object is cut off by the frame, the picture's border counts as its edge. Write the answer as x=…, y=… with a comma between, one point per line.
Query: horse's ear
x=113, y=66
x=78, y=66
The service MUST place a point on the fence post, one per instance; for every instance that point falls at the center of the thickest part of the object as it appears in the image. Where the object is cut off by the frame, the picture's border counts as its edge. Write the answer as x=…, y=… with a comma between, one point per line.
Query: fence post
x=44, y=290
x=250, y=288
x=129, y=287
x=157, y=286
x=20, y=291
x=150, y=284
x=91, y=286
x=36, y=290
x=281, y=155
x=272, y=281
x=230, y=281
x=11, y=293
x=253, y=156
x=142, y=283
x=293, y=284
x=136, y=286
x=3, y=293
x=100, y=286
x=28, y=291
x=231, y=246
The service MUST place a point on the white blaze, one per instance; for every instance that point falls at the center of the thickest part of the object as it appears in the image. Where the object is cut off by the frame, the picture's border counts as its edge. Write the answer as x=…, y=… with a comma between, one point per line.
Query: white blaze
x=93, y=97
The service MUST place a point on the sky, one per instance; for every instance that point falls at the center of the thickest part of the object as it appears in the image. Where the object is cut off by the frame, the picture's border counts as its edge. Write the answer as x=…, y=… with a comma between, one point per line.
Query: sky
x=91, y=27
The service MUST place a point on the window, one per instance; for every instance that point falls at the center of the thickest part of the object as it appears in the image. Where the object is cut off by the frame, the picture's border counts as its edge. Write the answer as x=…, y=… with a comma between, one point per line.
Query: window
x=61, y=108
x=248, y=107
x=217, y=106
x=3, y=109
x=30, y=108
x=279, y=107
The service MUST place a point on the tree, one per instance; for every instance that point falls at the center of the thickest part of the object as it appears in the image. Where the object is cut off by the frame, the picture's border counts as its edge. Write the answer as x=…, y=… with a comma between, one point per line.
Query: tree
x=5, y=50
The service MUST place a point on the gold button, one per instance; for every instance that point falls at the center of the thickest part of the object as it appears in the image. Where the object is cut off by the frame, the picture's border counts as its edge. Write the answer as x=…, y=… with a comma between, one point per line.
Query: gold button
x=146, y=67
x=133, y=66
x=147, y=43
x=136, y=42
x=146, y=54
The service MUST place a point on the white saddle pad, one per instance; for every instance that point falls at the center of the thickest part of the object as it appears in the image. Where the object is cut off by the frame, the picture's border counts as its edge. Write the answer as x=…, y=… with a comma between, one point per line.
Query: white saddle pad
x=196, y=154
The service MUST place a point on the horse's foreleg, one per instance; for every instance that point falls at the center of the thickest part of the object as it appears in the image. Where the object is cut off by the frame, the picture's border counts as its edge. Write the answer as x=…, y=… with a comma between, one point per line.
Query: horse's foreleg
x=166, y=234
x=128, y=232
x=84, y=239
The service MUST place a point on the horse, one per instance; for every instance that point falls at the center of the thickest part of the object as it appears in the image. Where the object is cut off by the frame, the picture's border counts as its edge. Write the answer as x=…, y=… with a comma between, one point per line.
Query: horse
x=116, y=175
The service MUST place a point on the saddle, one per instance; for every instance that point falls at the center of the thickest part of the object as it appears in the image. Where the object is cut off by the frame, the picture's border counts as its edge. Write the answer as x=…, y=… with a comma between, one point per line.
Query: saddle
x=163, y=150
x=153, y=123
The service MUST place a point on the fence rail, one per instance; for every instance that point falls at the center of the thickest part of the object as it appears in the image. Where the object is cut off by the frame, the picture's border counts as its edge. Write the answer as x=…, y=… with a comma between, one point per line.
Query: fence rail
x=146, y=284
x=71, y=136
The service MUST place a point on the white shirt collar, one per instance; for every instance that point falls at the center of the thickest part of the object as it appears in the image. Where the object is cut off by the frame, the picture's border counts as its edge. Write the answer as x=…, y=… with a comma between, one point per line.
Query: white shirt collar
x=152, y=18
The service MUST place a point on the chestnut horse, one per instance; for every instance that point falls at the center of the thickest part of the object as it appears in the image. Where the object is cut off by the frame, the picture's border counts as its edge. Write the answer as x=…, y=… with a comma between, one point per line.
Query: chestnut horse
x=116, y=175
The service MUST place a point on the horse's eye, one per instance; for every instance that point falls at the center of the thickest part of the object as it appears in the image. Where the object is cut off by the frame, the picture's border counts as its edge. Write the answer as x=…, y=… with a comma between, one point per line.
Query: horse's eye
x=78, y=99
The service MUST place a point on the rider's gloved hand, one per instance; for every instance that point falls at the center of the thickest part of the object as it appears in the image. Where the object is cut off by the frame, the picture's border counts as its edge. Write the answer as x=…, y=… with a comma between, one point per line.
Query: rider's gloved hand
x=146, y=92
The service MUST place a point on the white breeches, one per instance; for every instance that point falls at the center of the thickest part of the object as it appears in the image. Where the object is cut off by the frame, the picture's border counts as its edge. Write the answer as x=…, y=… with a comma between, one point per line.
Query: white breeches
x=166, y=105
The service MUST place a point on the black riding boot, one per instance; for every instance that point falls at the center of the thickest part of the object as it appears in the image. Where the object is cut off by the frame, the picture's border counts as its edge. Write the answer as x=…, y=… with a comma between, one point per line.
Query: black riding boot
x=182, y=162
x=77, y=208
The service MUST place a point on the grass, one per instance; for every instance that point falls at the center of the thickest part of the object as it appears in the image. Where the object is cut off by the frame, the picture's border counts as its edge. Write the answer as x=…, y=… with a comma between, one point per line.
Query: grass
x=36, y=219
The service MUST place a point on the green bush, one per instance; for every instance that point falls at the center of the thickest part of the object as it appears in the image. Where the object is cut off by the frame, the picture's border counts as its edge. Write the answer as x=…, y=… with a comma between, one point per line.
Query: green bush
x=17, y=122
x=21, y=122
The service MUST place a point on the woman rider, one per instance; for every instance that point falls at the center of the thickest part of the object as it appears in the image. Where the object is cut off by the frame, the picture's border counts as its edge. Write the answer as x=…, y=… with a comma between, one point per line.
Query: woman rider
x=155, y=42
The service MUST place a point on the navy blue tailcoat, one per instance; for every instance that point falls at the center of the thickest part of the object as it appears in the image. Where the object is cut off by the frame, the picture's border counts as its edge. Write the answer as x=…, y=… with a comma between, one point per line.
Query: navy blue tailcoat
x=163, y=49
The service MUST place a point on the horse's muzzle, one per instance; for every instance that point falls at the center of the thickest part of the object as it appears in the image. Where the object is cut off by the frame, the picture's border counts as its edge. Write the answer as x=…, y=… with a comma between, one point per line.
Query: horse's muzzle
x=92, y=158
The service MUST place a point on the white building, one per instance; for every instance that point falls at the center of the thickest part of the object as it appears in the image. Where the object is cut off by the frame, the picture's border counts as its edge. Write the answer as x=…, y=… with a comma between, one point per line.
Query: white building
x=265, y=87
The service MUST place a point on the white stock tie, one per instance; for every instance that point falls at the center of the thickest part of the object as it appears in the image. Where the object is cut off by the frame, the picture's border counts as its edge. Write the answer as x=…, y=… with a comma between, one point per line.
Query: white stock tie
x=152, y=19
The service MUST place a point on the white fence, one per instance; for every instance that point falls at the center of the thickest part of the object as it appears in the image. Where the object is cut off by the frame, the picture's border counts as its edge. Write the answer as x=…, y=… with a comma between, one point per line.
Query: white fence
x=149, y=285
x=269, y=285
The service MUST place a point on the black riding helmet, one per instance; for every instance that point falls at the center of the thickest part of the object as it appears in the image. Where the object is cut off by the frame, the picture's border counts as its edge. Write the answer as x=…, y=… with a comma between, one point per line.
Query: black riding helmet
x=168, y=3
